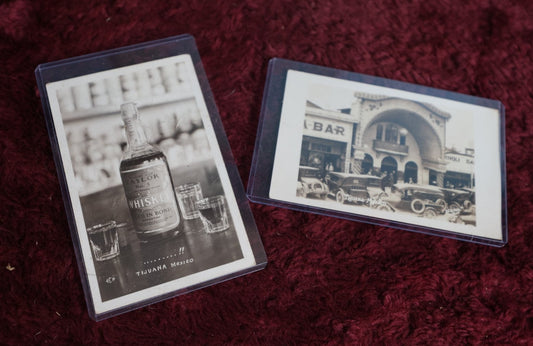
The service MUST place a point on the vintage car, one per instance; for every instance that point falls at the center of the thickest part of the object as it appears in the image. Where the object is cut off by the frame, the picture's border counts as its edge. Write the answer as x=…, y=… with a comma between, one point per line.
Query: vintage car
x=471, y=196
x=426, y=200
x=352, y=188
x=456, y=199
x=464, y=216
x=309, y=183
x=466, y=213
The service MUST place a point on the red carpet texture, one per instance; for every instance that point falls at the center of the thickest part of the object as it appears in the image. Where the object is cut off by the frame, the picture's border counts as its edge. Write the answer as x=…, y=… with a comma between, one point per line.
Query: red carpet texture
x=328, y=281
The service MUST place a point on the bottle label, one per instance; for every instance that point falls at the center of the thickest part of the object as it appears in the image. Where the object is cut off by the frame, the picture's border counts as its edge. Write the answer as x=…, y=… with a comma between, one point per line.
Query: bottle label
x=150, y=198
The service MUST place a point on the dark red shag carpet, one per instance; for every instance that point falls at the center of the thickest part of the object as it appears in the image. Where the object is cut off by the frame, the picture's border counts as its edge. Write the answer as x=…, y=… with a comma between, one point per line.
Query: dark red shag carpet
x=328, y=280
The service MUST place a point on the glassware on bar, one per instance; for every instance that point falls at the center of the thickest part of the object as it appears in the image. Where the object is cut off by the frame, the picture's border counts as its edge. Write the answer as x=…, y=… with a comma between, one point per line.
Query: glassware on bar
x=213, y=214
x=104, y=240
x=188, y=195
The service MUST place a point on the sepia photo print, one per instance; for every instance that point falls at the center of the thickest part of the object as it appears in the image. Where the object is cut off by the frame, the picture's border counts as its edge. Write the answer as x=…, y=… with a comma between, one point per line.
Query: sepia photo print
x=385, y=152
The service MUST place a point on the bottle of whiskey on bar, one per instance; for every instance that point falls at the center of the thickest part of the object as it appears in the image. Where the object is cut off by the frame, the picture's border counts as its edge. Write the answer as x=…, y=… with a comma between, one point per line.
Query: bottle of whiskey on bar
x=147, y=183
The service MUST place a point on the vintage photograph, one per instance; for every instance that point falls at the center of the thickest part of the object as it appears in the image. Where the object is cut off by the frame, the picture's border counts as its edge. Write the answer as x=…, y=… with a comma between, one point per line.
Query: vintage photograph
x=154, y=207
x=387, y=154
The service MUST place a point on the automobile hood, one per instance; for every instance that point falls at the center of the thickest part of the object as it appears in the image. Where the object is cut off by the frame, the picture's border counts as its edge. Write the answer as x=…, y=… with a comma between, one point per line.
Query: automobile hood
x=310, y=180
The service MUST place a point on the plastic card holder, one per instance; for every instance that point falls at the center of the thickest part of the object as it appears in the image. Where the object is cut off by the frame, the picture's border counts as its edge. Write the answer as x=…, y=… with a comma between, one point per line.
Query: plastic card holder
x=148, y=179
x=385, y=152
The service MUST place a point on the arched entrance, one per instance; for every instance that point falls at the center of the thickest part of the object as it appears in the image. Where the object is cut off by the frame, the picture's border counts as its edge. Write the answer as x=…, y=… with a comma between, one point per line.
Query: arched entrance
x=410, y=174
x=389, y=167
x=404, y=130
x=368, y=165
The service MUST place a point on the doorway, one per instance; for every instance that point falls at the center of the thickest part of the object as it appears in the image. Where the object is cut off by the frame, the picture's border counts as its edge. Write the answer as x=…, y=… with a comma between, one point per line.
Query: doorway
x=367, y=166
x=389, y=167
x=410, y=174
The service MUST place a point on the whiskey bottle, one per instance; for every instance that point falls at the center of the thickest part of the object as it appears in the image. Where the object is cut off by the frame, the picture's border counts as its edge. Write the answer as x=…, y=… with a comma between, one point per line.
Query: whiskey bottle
x=147, y=182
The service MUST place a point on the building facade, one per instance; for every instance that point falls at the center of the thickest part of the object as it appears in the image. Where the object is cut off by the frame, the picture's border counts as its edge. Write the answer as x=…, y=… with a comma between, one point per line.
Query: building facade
x=460, y=169
x=379, y=135
x=327, y=139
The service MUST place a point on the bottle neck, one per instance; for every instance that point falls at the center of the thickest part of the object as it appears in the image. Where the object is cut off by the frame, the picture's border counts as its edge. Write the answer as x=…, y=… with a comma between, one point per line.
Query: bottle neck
x=135, y=134
x=134, y=130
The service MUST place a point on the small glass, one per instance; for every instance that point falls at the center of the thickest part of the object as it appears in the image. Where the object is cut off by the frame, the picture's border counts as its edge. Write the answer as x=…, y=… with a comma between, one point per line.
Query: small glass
x=104, y=240
x=213, y=214
x=188, y=195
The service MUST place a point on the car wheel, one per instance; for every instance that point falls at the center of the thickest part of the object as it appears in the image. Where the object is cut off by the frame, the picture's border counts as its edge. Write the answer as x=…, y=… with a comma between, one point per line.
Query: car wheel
x=305, y=191
x=442, y=205
x=382, y=194
x=418, y=206
x=455, y=208
x=467, y=205
x=429, y=213
x=384, y=207
x=340, y=196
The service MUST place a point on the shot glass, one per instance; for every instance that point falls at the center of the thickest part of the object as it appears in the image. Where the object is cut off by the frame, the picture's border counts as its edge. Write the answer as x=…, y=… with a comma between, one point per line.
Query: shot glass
x=104, y=240
x=188, y=195
x=213, y=214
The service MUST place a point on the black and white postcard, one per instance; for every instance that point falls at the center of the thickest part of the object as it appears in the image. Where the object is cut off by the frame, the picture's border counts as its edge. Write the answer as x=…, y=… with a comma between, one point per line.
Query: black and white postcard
x=385, y=152
x=152, y=201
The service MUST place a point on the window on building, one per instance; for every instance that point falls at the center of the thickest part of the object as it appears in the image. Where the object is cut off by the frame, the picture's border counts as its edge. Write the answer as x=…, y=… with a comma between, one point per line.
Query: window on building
x=304, y=155
x=391, y=133
x=321, y=147
x=402, y=139
x=379, y=134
